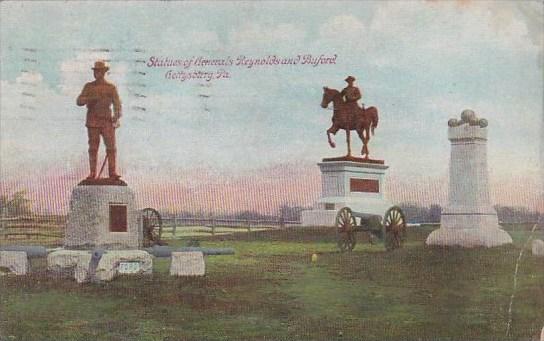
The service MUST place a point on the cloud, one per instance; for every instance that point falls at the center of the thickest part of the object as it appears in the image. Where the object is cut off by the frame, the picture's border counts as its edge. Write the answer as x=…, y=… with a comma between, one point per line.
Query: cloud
x=75, y=72
x=344, y=28
x=255, y=36
x=176, y=40
x=39, y=132
x=532, y=13
x=511, y=133
x=422, y=33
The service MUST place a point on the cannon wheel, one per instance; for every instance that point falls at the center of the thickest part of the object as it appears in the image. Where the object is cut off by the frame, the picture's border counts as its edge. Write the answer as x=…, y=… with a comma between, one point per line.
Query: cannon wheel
x=394, y=226
x=345, y=229
x=152, y=226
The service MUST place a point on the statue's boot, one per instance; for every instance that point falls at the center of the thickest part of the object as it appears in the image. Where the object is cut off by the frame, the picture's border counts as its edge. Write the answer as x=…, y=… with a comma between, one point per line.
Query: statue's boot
x=92, y=165
x=111, y=165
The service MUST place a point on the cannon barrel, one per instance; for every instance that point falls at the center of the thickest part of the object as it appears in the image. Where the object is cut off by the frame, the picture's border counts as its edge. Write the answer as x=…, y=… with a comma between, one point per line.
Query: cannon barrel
x=32, y=251
x=35, y=251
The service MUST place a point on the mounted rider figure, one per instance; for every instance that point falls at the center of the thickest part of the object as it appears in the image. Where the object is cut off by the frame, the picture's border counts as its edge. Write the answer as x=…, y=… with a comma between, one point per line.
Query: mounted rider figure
x=351, y=94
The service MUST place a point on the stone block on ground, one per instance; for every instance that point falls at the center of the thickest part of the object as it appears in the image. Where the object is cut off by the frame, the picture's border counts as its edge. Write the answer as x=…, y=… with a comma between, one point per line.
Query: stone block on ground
x=187, y=264
x=318, y=217
x=538, y=248
x=129, y=262
x=72, y=262
x=13, y=262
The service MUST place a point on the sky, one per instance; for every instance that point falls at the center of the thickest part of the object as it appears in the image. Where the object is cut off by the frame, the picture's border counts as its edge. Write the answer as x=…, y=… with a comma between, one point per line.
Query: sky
x=419, y=62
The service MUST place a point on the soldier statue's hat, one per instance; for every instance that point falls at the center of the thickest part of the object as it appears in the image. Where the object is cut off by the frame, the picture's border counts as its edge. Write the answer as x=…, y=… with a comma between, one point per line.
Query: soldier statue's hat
x=350, y=79
x=100, y=65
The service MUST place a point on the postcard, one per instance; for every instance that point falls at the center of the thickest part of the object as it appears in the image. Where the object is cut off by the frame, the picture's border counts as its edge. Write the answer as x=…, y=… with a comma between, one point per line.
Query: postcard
x=273, y=170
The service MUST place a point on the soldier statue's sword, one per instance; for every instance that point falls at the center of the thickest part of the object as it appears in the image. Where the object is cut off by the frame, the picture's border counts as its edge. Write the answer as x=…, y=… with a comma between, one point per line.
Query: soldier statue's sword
x=102, y=167
x=115, y=126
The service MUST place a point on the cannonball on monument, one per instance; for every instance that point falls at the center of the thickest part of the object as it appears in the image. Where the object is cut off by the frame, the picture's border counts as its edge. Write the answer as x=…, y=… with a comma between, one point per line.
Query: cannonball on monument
x=474, y=122
x=468, y=116
x=453, y=122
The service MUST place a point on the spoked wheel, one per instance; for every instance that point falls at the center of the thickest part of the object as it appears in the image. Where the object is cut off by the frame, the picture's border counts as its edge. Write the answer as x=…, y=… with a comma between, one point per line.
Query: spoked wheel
x=394, y=225
x=345, y=229
x=152, y=226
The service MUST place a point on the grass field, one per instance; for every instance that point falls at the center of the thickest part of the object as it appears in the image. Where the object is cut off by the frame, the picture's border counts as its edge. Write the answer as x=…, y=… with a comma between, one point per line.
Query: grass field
x=270, y=290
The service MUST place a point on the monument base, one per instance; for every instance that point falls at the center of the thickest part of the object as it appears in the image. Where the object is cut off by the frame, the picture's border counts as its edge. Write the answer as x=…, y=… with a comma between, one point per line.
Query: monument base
x=352, y=182
x=479, y=227
x=102, y=182
x=351, y=158
x=103, y=216
x=486, y=236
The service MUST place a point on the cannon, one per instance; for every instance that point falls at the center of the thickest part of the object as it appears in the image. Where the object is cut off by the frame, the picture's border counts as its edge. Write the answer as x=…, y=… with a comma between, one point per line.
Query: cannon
x=389, y=228
x=151, y=227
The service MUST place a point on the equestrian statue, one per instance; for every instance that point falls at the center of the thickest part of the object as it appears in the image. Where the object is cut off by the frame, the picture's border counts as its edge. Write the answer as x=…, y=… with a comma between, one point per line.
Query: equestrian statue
x=348, y=115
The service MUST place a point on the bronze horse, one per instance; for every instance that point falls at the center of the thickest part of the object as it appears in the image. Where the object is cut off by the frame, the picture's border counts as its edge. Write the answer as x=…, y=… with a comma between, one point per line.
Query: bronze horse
x=349, y=116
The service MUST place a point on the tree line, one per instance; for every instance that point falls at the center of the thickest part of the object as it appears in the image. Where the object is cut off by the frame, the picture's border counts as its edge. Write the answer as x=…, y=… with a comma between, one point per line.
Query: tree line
x=17, y=204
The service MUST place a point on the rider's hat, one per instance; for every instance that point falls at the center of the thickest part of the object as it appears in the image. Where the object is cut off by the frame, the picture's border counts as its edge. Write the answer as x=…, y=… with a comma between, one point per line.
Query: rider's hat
x=350, y=79
x=100, y=65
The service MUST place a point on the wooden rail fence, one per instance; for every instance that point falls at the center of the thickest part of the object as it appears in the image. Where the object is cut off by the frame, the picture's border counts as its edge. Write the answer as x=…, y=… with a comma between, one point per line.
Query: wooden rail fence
x=53, y=226
x=212, y=223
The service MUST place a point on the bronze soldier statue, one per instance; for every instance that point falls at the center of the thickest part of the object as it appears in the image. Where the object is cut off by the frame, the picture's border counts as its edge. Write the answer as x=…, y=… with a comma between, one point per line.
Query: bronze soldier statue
x=351, y=94
x=99, y=96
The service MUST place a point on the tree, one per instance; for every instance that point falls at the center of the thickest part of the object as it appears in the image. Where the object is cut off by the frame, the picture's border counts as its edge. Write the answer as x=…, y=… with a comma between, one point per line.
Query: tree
x=290, y=213
x=434, y=213
x=509, y=214
x=16, y=206
x=419, y=214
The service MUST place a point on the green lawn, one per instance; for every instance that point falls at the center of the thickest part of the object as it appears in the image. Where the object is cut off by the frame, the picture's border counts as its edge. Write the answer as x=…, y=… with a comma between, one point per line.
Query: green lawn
x=270, y=290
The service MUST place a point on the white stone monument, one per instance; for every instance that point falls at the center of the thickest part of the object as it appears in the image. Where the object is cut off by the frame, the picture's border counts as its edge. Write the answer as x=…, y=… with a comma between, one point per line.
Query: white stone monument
x=537, y=248
x=13, y=262
x=468, y=220
x=103, y=214
x=123, y=262
x=348, y=182
x=187, y=264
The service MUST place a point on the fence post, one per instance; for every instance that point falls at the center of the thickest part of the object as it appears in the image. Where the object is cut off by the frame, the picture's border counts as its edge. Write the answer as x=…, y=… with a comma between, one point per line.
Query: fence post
x=213, y=226
x=2, y=218
x=248, y=225
x=175, y=226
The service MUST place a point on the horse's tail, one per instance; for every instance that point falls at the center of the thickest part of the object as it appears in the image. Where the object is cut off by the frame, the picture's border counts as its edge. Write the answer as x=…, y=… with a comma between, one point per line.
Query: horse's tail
x=374, y=118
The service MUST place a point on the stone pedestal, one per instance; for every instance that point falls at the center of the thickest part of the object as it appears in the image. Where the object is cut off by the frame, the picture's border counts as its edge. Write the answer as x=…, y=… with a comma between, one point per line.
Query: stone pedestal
x=348, y=182
x=127, y=262
x=85, y=265
x=103, y=214
x=468, y=220
x=13, y=262
x=537, y=248
x=70, y=262
x=187, y=264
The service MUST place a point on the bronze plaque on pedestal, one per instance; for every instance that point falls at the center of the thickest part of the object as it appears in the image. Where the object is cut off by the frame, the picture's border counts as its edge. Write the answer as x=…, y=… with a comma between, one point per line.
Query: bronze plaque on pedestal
x=118, y=218
x=364, y=185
